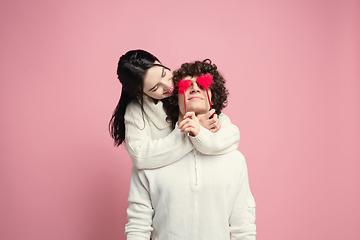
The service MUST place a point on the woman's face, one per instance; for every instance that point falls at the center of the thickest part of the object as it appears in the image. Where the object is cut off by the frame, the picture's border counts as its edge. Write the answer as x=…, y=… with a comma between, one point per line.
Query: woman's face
x=196, y=98
x=158, y=82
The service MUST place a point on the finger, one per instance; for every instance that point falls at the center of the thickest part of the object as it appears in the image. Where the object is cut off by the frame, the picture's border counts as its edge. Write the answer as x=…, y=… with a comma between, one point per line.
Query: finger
x=216, y=121
x=191, y=130
x=215, y=116
x=209, y=113
x=213, y=125
x=217, y=128
x=183, y=122
x=187, y=129
x=189, y=124
x=213, y=121
x=183, y=127
x=206, y=116
x=189, y=115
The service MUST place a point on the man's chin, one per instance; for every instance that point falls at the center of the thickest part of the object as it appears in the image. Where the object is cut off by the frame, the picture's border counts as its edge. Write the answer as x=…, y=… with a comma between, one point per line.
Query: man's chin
x=198, y=111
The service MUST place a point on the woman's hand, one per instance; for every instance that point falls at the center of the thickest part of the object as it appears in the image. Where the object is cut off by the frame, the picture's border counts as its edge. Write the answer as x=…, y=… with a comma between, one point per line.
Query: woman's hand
x=190, y=124
x=209, y=123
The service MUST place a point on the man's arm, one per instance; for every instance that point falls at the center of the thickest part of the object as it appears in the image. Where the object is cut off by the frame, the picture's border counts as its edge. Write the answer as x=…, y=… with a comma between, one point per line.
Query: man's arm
x=242, y=220
x=140, y=211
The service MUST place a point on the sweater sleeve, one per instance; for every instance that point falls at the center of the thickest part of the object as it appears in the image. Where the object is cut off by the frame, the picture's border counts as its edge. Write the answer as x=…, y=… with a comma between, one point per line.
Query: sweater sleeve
x=140, y=211
x=223, y=141
x=242, y=219
x=148, y=153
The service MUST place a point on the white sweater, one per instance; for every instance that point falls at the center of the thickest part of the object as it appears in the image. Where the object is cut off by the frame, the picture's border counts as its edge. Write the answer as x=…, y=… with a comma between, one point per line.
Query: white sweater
x=152, y=143
x=199, y=197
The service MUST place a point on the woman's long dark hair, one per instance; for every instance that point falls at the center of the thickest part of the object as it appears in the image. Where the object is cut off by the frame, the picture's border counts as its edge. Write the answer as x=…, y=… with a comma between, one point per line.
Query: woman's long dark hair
x=131, y=71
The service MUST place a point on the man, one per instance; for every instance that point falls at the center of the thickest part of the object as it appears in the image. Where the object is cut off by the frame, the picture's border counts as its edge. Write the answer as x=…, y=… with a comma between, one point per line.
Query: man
x=201, y=196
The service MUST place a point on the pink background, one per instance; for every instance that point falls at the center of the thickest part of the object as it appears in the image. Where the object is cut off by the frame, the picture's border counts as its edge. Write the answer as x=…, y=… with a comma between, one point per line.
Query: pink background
x=292, y=68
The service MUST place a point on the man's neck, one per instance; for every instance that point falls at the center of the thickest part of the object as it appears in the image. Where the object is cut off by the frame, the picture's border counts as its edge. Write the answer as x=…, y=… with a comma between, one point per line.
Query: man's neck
x=181, y=116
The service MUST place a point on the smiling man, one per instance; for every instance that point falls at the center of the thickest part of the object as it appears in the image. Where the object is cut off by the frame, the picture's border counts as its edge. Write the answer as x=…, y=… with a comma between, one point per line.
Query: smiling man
x=195, y=95
x=201, y=196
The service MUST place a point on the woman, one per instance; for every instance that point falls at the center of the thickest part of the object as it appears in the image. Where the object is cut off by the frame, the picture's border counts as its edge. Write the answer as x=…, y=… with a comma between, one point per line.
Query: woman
x=139, y=119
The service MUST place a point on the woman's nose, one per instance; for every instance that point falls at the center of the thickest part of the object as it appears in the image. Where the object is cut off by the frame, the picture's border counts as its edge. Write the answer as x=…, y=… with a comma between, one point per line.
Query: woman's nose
x=167, y=82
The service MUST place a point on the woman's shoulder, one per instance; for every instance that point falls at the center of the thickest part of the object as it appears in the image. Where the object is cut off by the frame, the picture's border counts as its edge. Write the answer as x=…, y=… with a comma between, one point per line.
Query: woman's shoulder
x=151, y=111
x=148, y=105
x=133, y=109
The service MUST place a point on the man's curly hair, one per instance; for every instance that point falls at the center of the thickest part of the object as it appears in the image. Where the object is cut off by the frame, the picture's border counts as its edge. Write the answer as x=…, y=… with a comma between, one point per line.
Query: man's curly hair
x=218, y=91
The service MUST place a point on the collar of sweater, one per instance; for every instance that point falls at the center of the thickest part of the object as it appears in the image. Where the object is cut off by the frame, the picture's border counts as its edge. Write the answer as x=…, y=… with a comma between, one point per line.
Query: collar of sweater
x=155, y=113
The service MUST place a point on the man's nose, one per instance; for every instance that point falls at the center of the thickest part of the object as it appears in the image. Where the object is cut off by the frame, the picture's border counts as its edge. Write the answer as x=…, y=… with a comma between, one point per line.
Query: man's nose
x=195, y=87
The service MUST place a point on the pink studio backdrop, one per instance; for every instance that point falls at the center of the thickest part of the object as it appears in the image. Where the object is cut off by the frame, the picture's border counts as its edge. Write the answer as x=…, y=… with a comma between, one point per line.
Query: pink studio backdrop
x=292, y=68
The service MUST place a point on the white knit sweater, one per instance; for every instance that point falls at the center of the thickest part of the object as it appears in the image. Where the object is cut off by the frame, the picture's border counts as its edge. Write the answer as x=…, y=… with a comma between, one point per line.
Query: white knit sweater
x=199, y=197
x=152, y=143
x=203, y=190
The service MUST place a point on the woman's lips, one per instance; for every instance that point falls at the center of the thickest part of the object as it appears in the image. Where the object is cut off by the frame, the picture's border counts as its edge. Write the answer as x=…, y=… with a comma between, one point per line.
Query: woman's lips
x=170, y=90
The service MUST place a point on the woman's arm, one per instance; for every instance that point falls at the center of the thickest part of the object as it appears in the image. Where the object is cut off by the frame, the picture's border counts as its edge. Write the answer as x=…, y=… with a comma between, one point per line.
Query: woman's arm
x=225, y=140
x=140, y=211
x=148, y=153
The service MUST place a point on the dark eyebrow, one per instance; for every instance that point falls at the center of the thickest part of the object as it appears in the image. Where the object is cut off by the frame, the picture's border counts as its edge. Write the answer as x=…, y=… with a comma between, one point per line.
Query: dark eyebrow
x=160, y=65
x=153, y=88
x=162, y=72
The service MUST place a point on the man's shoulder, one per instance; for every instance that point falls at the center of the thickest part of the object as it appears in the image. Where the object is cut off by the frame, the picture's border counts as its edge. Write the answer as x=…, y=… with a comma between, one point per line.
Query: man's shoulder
x=236, y=158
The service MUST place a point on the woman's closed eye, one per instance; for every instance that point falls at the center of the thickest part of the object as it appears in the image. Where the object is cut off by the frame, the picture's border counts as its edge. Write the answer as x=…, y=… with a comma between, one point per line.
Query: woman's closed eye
x=155, y=88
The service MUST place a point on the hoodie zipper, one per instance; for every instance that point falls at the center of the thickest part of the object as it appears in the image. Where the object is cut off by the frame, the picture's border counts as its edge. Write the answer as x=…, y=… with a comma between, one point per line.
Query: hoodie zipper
x=196, y=173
